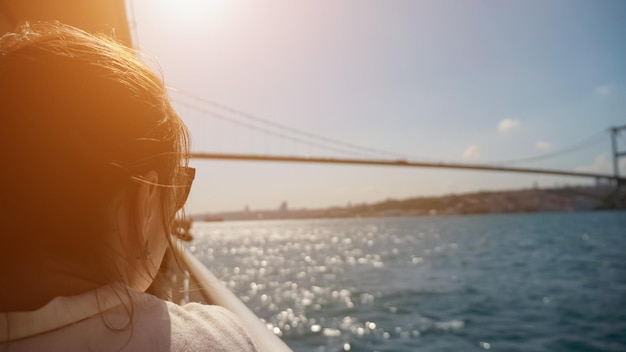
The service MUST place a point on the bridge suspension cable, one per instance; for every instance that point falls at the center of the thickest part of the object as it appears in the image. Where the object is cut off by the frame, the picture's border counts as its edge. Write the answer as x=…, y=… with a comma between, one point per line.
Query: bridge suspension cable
x=351, y=149
x=585, y=143
x=362, y=151
x=265, y=130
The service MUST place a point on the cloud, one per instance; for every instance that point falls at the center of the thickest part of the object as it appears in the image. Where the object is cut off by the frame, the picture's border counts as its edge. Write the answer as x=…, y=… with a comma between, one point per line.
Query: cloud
x=472, y=152
x=543, y=146
x=603, y=90
x=507, y=125
x=603, y=165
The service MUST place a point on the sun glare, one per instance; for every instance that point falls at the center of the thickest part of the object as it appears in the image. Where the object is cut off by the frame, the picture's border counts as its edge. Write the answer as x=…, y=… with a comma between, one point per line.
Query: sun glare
x=195, y=10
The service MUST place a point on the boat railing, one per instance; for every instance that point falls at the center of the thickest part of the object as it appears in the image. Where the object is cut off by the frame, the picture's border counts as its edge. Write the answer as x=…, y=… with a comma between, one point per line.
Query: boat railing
x=191, y=281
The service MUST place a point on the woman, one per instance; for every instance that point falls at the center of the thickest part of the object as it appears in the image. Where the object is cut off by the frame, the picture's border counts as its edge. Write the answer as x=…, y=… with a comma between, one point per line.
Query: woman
x=94, y=173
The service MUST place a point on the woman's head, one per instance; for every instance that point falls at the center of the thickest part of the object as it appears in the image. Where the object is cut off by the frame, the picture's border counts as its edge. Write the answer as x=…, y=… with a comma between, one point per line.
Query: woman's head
x=86, y=128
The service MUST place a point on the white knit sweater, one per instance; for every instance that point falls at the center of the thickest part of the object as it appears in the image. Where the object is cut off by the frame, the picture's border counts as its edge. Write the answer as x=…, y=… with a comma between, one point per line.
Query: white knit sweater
x=101, y=321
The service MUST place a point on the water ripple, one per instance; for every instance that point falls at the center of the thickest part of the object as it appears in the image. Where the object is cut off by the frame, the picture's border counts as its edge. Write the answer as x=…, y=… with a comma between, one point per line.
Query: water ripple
x=492, y=282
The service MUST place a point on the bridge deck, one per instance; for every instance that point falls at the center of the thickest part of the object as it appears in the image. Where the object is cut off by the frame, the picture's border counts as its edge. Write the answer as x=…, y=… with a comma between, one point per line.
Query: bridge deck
x=405, y=163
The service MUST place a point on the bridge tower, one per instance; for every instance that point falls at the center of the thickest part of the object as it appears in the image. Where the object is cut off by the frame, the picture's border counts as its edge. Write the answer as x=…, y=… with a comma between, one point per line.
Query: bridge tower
x=617, y=154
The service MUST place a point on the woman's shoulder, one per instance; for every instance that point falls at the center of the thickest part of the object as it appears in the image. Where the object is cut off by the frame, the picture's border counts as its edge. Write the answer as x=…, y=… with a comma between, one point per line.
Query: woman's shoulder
x=199, y=327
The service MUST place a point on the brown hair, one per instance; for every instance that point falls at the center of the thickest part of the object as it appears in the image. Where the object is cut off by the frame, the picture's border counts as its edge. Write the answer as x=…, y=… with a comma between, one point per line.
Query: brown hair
x=82, y=118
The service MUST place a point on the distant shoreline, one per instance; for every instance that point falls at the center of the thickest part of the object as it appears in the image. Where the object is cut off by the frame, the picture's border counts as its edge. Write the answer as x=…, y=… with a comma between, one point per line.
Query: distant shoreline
x=566, y=199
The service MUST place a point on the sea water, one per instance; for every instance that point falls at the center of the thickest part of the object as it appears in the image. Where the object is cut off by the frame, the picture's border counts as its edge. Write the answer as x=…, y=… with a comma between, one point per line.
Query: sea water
x=523, y=282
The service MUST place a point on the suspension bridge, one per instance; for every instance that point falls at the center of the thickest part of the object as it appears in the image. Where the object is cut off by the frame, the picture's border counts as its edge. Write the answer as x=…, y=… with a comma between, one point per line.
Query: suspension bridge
x=377, y=157
x=361, y=155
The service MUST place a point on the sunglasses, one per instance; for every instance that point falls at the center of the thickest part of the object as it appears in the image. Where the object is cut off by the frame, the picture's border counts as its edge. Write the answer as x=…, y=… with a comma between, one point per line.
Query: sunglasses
x=183, y=185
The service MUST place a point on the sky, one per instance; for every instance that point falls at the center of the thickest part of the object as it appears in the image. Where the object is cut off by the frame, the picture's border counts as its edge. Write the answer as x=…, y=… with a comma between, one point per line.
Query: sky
x=455, y=81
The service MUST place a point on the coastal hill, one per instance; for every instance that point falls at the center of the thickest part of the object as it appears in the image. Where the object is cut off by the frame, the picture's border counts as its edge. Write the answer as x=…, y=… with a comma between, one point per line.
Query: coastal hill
x=565, y=199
